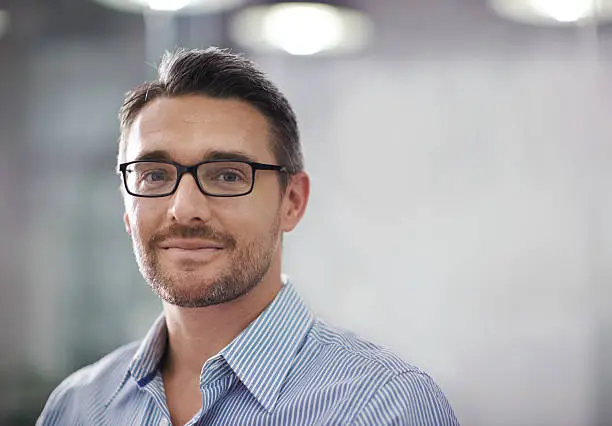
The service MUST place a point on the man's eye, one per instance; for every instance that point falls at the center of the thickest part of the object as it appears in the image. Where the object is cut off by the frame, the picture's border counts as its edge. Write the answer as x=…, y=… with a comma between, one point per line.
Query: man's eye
x=229, y=176
x=155, y=176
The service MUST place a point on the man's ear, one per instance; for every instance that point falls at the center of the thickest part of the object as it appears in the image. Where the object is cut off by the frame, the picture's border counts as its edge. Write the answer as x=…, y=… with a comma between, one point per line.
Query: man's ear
x=295, y=200
x=128, y=227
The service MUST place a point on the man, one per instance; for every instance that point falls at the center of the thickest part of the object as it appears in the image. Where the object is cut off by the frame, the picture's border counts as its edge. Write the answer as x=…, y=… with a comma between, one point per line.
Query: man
x=213, y=176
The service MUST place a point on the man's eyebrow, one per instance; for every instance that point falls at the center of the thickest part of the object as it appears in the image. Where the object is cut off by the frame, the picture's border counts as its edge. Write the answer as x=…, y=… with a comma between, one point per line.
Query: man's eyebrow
x=163, y=155
x=228, y=155
x=158, y=154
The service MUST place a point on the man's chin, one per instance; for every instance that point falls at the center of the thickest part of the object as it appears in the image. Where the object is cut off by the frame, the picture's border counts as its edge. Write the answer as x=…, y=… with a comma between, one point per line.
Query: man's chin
x=183, y=287
x=192, y=294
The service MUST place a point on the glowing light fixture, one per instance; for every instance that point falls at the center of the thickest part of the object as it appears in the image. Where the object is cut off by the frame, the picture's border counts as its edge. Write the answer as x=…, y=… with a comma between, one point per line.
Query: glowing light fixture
x=565, y=11
x=172, y=6
x=301, y=28
x=554, y=12
x=168, y=5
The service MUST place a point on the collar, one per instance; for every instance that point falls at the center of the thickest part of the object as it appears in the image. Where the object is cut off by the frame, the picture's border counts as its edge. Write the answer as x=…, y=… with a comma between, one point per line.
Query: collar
x=261, y=355
x=147, y=358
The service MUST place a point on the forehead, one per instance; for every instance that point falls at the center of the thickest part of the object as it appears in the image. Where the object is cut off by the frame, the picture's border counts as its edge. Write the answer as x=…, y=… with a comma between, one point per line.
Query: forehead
x=188, y=127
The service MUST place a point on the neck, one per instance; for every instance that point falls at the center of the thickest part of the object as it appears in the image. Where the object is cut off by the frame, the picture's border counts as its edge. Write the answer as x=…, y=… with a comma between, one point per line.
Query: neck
x=196, y=334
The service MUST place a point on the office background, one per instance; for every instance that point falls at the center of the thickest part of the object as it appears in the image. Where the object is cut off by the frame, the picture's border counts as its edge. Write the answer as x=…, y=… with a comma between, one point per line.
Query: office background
x=461, y=207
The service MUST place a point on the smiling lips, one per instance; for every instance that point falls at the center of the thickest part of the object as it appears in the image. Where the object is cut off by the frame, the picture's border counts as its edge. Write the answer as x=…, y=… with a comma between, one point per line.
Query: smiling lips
x=190, y=244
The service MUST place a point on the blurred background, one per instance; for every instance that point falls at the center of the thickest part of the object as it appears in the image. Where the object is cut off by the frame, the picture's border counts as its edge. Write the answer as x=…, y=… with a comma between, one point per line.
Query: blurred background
x=461, y=208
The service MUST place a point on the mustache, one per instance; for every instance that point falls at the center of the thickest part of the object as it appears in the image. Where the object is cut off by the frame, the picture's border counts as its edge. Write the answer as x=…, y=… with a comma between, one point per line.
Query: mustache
x=203, y=232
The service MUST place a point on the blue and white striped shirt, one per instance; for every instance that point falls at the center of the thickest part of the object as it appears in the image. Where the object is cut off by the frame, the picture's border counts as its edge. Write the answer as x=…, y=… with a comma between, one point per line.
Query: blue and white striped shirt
x=285, y=368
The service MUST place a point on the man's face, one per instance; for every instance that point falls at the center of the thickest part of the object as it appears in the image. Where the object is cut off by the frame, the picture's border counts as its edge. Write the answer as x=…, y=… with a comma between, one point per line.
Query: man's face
x=196, y=250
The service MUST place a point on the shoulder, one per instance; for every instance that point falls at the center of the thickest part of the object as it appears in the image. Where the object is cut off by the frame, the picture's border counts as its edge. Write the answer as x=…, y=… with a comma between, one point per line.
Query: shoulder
x=399, y=392
x=408, y=399
x=348, y=345
x=88, y=387
x=107, y=369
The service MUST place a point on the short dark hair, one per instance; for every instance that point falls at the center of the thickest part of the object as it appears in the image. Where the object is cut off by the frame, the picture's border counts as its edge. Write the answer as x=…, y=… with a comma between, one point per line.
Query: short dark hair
x=218, y=73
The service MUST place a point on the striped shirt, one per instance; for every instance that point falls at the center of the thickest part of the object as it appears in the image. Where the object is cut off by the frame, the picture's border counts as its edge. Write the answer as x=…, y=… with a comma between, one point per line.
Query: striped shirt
x=285, y=368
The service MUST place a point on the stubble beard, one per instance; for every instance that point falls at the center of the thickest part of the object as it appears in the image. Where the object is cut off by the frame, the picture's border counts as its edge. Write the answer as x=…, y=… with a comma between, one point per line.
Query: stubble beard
x=247, y=267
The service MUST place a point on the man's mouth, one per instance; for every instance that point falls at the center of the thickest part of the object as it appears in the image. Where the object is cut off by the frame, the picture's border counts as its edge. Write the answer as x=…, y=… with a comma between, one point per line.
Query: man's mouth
x=190, y=244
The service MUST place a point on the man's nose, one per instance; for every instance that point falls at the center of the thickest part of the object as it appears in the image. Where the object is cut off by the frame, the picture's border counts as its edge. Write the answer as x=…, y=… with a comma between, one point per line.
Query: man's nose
x=189, y=204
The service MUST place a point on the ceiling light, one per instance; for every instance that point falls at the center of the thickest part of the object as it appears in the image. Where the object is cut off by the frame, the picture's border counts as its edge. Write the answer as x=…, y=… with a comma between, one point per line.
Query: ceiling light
x=554, y=12
x=301, y=28
x=565, y=11
x=174, y=6
x=167, y=5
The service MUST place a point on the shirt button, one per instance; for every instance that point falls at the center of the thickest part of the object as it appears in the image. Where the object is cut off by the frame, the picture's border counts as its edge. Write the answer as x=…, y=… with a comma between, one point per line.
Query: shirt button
x=164, y=422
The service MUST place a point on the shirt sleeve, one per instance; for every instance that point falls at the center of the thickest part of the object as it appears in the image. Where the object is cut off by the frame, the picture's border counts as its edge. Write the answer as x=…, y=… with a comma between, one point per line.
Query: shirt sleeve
x=408, y=399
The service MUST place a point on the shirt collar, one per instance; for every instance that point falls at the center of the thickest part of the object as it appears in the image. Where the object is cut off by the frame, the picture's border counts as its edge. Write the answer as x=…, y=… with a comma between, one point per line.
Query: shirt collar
x=145, y=362
x=261, y=355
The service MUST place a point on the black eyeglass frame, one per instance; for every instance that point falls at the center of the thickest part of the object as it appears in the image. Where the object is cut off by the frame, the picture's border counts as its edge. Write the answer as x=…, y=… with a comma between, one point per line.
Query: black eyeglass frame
x=193, y=171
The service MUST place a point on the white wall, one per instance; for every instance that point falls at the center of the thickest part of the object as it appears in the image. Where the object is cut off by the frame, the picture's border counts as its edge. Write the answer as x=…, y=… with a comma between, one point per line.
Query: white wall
x=456, y=217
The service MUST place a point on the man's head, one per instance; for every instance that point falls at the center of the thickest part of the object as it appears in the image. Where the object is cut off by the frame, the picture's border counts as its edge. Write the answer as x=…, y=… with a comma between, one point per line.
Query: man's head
x=198, y=249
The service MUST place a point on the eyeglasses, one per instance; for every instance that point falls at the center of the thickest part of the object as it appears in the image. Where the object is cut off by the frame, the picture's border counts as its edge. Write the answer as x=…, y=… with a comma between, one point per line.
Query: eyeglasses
x=216, y=178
